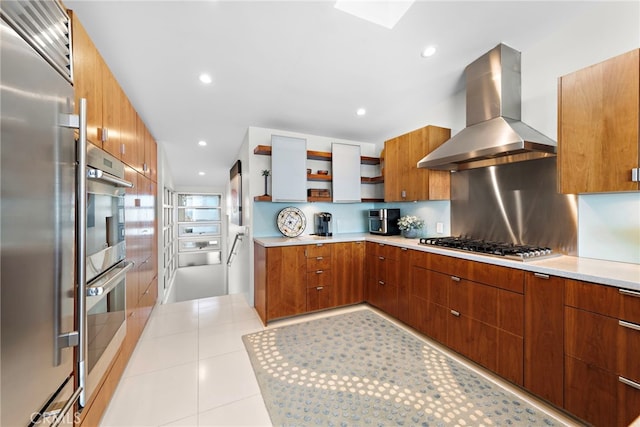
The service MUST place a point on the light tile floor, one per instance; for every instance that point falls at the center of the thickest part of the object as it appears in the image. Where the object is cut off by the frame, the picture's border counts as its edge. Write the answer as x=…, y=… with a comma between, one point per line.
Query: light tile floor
x=190, y=368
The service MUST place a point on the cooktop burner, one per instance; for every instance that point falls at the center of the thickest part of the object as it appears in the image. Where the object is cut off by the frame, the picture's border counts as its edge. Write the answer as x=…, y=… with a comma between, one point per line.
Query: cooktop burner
x=507, y=250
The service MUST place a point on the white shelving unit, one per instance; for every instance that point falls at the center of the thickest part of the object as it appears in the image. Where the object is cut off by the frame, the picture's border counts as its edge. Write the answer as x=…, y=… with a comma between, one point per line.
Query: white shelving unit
x=199, y=221
x=169, y=233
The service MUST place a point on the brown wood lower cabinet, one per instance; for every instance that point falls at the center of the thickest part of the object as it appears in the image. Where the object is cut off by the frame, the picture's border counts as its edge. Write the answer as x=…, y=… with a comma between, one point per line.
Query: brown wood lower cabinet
x=544, y=332
x=572, y=343
x=291, y=280
x=348, y=272
x=382, y=276
x=602, y=340
x=481, y=321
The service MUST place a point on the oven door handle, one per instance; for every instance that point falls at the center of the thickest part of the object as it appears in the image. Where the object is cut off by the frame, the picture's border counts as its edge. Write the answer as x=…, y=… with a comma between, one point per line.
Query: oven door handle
x=99, y=175
x=109, y=281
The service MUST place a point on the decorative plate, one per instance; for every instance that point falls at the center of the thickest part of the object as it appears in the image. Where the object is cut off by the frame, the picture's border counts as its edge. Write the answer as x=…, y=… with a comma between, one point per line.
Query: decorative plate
x=291, y=221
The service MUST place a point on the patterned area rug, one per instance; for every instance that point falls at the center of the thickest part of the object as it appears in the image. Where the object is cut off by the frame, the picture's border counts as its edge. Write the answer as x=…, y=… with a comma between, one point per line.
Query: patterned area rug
x=360, y=369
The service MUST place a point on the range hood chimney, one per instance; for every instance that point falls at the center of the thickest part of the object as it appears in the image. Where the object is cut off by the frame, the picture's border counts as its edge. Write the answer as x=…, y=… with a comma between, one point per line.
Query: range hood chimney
x=494, y=133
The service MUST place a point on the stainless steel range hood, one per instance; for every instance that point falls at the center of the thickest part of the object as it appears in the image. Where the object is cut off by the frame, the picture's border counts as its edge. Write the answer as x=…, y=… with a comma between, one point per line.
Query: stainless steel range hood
x=494, y=132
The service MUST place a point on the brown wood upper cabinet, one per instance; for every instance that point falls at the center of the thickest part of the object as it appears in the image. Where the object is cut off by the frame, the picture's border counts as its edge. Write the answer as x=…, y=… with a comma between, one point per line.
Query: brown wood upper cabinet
x=112, y=122
x=87, y=78
x=403, y=180
x=598, y=110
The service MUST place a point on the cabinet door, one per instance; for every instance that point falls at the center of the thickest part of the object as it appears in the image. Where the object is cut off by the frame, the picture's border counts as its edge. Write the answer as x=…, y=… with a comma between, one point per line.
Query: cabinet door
x=348, y=272
x=590, y=393
x=404, y=181
x=128, y=133
x=598, y=126
x=150, y=157
x=425, y=184
x=112, y=101
x=141, y=130
x=345, y=168
x=404, y=284
x=286, y=276
x=288, y=169
x=320, y=298
x=87, y=70
x=428, y=311
x=393, y=170
x=544, y=334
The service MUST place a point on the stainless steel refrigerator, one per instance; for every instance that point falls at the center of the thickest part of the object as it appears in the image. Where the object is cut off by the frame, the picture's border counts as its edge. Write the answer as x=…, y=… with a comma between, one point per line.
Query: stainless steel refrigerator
x=37, y=216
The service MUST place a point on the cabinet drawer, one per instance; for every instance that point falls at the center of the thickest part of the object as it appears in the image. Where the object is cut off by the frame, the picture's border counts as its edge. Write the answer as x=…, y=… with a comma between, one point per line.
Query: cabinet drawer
x=591, y=338
x=502, y=277
x=318, y=250
x=320, y=297
x=319, y=278
x=420, y=259
x=430, y=285
x=590, y=392
x=384, y=250
x=610, y=301
x=318, y=263
x=477, y=301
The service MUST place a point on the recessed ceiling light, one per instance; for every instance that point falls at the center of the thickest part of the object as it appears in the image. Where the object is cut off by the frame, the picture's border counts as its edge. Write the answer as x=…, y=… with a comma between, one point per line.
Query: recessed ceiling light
x=361, y=112
x=201, y=173
x=428, y=51
x=202, y=143
x=205, y=78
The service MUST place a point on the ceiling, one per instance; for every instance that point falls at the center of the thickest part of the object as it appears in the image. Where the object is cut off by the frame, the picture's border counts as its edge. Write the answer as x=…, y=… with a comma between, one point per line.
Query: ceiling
x=302, y=66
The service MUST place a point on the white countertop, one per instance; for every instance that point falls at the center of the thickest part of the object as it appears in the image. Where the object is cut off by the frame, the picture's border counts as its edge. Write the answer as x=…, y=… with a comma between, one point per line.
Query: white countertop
x=619, y=274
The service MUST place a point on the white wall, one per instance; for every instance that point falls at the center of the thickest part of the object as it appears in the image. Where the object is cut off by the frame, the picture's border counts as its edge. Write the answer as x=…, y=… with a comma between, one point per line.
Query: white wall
x=605, y=30
x=609, y=224
x=240, y=272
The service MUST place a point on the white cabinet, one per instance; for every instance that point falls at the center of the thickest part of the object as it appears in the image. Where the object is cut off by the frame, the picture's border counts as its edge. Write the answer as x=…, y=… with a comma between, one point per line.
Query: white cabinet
x=345, y=165
x=288, y=169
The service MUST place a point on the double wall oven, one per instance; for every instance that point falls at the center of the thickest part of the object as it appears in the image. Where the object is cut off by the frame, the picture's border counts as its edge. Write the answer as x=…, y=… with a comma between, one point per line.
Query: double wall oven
x=105, y=267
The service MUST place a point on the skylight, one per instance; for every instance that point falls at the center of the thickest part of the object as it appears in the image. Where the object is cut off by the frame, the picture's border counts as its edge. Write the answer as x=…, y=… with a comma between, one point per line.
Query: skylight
x=384, y=13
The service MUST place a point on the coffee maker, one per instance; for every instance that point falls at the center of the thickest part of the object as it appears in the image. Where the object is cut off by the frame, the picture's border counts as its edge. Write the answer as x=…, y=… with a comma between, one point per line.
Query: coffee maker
x=323, y=224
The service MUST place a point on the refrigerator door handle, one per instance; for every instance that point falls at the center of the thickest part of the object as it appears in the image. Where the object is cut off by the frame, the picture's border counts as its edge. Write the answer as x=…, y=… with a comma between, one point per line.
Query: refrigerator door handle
x=81, y=249
x=64, y=340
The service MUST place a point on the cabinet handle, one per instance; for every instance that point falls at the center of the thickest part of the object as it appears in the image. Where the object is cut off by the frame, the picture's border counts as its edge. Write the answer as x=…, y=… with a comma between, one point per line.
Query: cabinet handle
x=380, y=282
x=123, y=149
x=628, y=382
x=380, y=244
x=635, y=174
x=319, y=288
x=104, y=134
x=455, y=313
x=541, y=276
x=629, y=325
x=319, y=258
x=319, y=271
x=381, y=258
x=629, y=293
x=404, y=249
x=455, y=279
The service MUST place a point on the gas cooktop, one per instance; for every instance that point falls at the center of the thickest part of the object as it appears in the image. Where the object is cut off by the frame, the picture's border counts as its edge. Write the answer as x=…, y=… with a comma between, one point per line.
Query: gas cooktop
x=506, y=250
